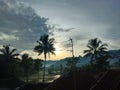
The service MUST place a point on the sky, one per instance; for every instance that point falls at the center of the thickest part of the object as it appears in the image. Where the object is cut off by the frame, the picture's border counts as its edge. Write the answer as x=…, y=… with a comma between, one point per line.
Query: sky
x=22, y=22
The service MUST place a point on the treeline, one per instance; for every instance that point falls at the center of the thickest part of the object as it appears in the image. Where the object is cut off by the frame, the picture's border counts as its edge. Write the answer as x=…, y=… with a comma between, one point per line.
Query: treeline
x=66, y=65
x=98, y=58
x=22, y=66
x=25, y=65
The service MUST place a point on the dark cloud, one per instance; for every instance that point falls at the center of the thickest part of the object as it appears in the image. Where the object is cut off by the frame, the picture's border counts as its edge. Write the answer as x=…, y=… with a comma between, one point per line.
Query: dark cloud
x=77, y=39
x=64, y=30
x=56, y=28
x=95, y=18
x=67, y=45
x=19, y=24
x=113, y=33
x=81, y=36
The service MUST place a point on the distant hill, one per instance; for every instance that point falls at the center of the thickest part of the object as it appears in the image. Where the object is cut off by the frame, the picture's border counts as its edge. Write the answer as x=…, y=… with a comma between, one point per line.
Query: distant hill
x=114, y=53
x=50, y=62
x=85, y=60
x=62, y=62
x=115, y=56
x=57, y=63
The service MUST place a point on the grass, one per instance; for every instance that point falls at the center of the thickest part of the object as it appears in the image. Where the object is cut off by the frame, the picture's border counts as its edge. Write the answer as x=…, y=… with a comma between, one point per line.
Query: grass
x=48, y=78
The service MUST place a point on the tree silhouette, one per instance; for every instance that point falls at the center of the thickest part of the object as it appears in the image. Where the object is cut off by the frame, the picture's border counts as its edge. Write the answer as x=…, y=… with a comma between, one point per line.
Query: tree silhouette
x=45, y=46
x=9, y=56
x=71, y=63
x=26, y=63
x=97, y=50
x=38, y=66
x=7, y=53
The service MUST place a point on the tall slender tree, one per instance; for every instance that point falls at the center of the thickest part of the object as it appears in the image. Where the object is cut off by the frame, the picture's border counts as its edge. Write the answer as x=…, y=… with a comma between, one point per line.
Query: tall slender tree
x=96, y=50
x=26, y=63
x=45, y=46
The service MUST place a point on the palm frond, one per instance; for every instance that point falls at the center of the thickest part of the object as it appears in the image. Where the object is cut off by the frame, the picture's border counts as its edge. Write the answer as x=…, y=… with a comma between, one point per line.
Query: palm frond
x=103, y=45
x=39, y=42
x=14, y=55
x=90, y=47
x=2, y=51
x=52, y=52
x=88, y=54
x=98, y=43
x=87, y=51
x=51, y=41
x=102, y=49
x=38, y=48
x=7, y=48
x=13, y=51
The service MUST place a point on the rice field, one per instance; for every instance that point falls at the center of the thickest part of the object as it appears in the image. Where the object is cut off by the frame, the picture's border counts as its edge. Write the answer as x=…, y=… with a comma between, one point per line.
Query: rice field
x=48, y=77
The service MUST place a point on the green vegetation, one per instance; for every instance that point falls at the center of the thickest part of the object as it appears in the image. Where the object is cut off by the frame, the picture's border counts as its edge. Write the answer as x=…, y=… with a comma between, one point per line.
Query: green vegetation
x=38, y=66
x=71, y=63
x=27, y=65
x=48, y=77
x=35, y=70
x=98, y=52
x=9, y=60
x=45, y=46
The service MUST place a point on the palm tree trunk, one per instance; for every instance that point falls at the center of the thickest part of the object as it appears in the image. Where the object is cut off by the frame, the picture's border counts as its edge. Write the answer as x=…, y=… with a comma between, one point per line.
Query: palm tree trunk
x=27, y=76
x=38, y=75
x=44, y=68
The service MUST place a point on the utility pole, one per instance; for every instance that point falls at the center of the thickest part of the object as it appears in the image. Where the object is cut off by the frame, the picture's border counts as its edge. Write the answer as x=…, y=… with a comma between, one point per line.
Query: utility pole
x=74, y=74
x=72, y=48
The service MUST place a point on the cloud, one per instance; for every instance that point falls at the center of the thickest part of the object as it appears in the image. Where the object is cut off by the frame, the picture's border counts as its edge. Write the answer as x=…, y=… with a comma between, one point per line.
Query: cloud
x=55, y=28
x=114, y=33
x=1, y=46
x=31, y=53
x=7, y=37
x=80, y=20
x=19, y=16
x=19, y=21
x=64, y=30
x=94, y=18
x=80, y=36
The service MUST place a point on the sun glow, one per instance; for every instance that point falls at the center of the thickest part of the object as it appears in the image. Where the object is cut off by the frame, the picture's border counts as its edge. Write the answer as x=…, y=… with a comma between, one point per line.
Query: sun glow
x=57, y=49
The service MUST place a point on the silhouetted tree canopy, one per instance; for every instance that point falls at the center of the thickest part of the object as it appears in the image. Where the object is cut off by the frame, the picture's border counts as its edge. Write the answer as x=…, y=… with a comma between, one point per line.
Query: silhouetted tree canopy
x=45, y=46
x=98, y=52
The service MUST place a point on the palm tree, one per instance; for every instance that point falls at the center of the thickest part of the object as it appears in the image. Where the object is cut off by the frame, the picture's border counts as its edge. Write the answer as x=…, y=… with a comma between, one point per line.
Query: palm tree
x=26, y=63
x=38, y=66
x=45, y=46
x=8, y=55
x=96, y=50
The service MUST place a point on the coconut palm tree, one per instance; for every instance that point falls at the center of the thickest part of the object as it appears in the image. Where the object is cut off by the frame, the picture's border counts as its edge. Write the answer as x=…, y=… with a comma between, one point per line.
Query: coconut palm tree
x=96, y=50
x=9, y=56
x=7, y=53
x=45, y=46
x=26, y=63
